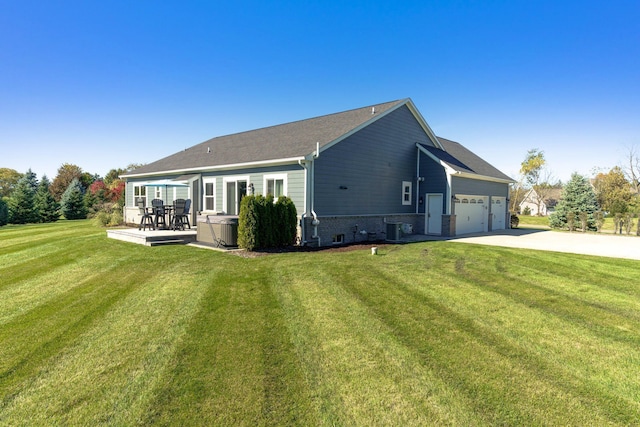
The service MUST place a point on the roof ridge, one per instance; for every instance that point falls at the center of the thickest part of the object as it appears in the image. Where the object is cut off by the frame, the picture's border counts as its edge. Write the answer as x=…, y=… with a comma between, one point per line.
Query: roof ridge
x=396, y=102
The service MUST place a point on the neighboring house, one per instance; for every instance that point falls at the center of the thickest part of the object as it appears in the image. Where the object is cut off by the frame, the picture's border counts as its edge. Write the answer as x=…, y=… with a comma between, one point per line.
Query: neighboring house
x=353, y=176
x=547, y=203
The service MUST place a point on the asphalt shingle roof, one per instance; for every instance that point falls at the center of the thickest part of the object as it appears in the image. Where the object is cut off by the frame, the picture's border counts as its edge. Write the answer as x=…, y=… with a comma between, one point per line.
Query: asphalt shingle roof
x=289, y=140
x=461, y=159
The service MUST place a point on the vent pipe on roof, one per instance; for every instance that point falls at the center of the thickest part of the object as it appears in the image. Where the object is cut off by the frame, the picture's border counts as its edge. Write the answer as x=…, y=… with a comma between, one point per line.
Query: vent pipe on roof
x=373, y=110
x=208, y=149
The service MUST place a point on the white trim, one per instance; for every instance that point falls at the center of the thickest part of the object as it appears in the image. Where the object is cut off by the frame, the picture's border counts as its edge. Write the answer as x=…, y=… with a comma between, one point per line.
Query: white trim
x=427, y=213
x=208, y=180
x=274, y=162
x=482, y=177
x=137, y=196
x=275, y=176
x=407, y=201
x=225, y=181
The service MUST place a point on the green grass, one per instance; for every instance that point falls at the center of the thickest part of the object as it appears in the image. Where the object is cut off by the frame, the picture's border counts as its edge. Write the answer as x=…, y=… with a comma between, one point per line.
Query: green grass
x=102, y=332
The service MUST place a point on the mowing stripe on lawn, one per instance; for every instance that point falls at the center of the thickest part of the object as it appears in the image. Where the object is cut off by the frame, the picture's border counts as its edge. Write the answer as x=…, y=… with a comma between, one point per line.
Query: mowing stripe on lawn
x=453, y=335
x=237, y=364
x=361, y=373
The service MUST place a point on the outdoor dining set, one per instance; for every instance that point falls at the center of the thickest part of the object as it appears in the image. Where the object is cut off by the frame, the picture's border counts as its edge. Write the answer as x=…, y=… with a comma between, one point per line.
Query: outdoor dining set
x=159, y=216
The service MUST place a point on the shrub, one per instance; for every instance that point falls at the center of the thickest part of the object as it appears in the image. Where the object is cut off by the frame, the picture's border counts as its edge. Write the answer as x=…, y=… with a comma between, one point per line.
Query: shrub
x=515, y=221
x=599, y=217
x=287, y=218
x=109, y=215
x=526, y=211
x=628, y=223
x=248, y=223
x=584, y=219
x=264, y=224
x=571, y=221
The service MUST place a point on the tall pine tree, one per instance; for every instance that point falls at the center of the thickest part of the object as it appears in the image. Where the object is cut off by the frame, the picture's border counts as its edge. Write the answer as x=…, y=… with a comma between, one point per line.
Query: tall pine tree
x=46, y=206
x=21, y=207
x=577, y=197
x=72, y=201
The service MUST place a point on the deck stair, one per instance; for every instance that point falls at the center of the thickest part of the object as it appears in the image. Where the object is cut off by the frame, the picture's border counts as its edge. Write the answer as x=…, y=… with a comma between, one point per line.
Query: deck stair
x=153, y=237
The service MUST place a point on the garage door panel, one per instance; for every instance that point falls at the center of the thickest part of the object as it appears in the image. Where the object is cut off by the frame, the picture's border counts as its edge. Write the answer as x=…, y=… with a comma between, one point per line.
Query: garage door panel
x=471, y=214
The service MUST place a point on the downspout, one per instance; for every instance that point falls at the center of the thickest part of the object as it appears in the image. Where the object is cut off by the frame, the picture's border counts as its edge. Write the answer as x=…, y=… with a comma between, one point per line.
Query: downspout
x=315, y=220
x=418, y=181
x=306, y=190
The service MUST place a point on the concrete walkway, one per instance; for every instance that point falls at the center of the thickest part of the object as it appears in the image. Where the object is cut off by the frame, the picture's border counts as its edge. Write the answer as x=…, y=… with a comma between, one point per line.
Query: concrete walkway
x=607, y=245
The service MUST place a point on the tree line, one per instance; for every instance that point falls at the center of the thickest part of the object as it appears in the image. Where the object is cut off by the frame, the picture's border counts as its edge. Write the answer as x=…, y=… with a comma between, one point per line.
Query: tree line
x=584, y=202
x=73, y=194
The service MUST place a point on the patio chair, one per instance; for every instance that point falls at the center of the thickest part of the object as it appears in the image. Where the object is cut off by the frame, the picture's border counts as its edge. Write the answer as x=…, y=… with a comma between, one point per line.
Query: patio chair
x=184, y=216
x=178, y=213
x=159, y=213
x=146, y=219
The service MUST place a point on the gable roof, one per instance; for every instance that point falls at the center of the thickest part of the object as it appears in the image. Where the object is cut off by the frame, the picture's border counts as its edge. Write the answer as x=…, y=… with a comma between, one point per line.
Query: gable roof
x=463, y=162
x=287, y=142
x=551, y=196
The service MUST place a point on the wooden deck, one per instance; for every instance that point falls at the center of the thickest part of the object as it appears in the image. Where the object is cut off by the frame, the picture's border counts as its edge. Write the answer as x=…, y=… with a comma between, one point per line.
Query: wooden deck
x=153, y=237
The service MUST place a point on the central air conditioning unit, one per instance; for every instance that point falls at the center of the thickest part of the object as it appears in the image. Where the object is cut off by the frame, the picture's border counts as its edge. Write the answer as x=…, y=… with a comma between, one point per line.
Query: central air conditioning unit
x=394, y=231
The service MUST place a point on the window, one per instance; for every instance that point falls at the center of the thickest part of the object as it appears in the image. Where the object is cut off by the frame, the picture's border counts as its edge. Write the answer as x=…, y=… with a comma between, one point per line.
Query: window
x=209, y=197
x=337, y=239
x=158, y=194
x=275, y=185
x=233, y=190
x=139, y=192
x=406, y=192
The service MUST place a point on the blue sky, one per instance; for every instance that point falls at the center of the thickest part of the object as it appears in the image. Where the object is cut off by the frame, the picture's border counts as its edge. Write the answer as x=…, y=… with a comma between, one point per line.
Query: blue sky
x=105, y=84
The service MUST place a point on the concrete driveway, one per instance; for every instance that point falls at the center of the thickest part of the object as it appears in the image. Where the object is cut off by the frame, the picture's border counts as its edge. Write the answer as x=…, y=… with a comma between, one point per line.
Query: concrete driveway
x=607, y=245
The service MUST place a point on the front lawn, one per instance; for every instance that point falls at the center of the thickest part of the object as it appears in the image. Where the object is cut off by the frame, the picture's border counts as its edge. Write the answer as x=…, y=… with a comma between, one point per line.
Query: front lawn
x=96, y=331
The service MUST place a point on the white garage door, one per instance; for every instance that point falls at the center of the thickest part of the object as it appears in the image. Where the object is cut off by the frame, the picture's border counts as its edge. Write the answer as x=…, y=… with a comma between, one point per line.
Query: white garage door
x=471, y=214
x=498, y=212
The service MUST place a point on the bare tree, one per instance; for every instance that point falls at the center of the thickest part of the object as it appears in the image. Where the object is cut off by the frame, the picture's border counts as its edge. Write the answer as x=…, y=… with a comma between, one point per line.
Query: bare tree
x=632, y=167
x=538, y=177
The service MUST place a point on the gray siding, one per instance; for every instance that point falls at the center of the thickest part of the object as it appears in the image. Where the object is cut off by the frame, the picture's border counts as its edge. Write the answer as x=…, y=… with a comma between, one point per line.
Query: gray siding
x=478, y=187
x=295, y=183
x=435, y=180
x=371, y=164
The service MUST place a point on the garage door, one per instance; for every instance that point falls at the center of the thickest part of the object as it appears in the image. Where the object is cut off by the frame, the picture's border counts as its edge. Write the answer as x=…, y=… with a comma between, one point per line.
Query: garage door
x=471, y=214
x=498, y=212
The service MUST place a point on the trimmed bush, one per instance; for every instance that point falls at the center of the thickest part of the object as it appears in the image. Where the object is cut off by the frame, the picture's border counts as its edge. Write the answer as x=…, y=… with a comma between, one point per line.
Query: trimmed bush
x=287, y=218
x=248, y=223
x=264, y=224
x=515, y=221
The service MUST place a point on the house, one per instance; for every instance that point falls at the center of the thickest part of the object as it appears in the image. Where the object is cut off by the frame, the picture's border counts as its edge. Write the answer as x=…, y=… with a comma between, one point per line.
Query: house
x=367, y=173
x=546, y=201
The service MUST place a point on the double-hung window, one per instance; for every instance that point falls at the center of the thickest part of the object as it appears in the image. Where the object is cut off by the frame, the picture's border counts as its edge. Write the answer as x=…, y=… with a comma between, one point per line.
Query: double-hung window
x=139, y=192
x=209, y=197
x=276, y=185
x=406, y=192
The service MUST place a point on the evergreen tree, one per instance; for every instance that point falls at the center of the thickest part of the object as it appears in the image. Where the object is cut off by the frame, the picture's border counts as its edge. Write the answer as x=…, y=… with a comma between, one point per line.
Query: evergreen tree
x=72, y=201
x=46, y=206
x=21, y=207
x=4, y=212
x=577, y=197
